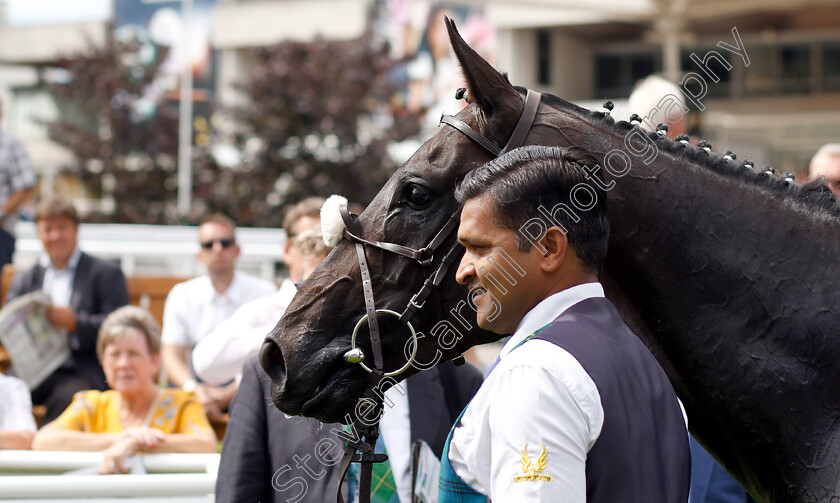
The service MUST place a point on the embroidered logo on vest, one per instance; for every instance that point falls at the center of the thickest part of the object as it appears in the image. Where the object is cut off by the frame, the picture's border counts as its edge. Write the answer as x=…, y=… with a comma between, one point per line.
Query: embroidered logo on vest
x=533, y=471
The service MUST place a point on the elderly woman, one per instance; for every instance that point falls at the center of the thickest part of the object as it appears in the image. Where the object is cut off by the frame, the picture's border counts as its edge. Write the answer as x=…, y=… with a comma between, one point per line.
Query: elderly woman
x=135, y=416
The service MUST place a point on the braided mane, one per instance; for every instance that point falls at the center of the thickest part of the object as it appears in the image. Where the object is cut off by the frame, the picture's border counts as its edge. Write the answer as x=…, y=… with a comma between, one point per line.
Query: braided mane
x=815, y=196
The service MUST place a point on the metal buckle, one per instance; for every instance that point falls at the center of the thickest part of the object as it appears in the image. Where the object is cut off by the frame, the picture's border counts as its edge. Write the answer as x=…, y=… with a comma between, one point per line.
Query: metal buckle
x=413, y=302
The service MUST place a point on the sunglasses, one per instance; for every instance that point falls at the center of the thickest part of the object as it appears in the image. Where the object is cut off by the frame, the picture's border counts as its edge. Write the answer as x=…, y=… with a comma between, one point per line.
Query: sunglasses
x=226, y=243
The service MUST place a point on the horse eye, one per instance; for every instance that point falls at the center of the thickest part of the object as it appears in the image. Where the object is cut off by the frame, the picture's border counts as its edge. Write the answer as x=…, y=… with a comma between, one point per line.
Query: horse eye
x=418, y=196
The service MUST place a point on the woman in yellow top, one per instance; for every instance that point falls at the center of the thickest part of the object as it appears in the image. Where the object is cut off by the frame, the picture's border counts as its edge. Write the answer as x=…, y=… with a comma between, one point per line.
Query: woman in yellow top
x=135, y=415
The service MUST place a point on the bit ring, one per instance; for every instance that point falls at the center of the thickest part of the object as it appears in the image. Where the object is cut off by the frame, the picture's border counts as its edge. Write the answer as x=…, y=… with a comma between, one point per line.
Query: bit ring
x=354, y=351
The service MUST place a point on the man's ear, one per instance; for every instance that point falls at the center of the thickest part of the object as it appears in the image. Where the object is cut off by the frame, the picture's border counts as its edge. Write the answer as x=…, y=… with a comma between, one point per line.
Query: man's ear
x=557, y=251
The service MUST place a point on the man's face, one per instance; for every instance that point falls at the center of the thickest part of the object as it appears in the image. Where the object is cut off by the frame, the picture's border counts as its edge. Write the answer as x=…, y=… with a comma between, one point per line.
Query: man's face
x=492, y=265
x=828, y=167
x=291, y=255
x=310, y=263
x=219, y=250
x=58, y=235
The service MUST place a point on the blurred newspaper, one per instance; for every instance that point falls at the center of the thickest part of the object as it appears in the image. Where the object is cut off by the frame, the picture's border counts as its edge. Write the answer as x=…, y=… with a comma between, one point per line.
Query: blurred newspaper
x=35, y=346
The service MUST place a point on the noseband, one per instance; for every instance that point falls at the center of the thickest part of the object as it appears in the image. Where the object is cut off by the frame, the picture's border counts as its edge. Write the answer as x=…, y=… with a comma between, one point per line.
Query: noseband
x=434, y=276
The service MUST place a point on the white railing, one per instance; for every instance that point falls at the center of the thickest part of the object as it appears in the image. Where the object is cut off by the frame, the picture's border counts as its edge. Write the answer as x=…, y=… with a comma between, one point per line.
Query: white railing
x=159, y=250
x=62, y=461
x=169, y=476
x=110, y=486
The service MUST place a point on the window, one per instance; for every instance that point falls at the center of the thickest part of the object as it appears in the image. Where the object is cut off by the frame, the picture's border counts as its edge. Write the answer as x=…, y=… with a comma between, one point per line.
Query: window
x=617, y=74
x=831, y=66
x=795, y=69
x=709, y=63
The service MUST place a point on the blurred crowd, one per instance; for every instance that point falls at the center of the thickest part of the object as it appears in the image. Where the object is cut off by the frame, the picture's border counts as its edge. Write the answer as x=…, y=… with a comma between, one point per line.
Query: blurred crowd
x=130, y=385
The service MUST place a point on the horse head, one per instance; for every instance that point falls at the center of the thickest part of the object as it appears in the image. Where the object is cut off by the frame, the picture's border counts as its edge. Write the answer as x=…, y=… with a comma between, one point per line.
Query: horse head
x=305, y=353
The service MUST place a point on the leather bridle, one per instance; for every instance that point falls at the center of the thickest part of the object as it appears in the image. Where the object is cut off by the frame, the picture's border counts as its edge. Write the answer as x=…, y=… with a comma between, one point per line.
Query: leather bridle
x=434, y=276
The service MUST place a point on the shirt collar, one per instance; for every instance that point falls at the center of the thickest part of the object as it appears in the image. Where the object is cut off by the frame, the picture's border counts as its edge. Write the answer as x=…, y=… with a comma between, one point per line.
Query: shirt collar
x=235, y=291
x=287, y=288
x=548, y=309
x=46, y=263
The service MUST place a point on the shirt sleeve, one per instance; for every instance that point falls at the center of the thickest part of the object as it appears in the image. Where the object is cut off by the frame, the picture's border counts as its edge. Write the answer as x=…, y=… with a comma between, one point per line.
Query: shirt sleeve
x=21, y=174
x=541, y=436
x=175, y=330
x=218, y=357
x=79, y=414
x=192, y=420
x=17, y=413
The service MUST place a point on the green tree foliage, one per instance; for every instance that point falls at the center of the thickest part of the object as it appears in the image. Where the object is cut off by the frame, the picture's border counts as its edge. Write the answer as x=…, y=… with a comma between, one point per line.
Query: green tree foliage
x=314, y=119
x=121, y=153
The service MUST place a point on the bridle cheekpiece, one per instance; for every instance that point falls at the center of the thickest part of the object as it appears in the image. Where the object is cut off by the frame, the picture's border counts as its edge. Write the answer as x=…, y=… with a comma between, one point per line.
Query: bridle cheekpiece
x=338, y=223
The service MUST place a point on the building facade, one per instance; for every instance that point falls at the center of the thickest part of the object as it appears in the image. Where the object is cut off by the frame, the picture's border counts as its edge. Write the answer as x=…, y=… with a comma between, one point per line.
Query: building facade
x=775, y=98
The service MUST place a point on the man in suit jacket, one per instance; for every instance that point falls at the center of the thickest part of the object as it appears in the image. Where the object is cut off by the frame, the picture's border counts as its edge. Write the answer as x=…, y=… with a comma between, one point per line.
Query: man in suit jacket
x=267, y=457
x=83, y=290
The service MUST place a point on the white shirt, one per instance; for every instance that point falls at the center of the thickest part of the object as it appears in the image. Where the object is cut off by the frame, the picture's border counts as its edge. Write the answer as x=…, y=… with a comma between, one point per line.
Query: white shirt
x=194, y=308
x=59, y=283
x=16, y=405
x=395, y=428
x=537, y=395
x=218, y=357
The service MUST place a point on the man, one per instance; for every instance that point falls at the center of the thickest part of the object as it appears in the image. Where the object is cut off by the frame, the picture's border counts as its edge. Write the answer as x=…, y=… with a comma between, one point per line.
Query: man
x=826, y=164
x=270, y=458
x=84, y=290
x=194, y=308
x=303, y=216
x=219, y=357
x=658, y=101
x=18, y=180
x=577, y=409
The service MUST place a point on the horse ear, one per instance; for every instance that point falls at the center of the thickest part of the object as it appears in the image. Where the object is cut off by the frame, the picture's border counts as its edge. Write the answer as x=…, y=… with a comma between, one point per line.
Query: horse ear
x=487, y=86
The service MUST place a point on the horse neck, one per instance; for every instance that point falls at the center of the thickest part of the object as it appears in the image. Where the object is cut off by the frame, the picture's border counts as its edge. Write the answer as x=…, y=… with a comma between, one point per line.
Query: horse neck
x=730, y=285
x=673, y=212
x=714, y=267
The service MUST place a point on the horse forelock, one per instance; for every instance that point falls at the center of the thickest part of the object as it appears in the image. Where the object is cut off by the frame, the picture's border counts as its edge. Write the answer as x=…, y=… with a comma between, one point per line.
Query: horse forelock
x=814, y=197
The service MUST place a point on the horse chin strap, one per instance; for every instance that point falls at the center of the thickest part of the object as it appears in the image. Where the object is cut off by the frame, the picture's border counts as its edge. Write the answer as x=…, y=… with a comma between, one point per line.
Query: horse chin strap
x=360, y=449
x=434, y=276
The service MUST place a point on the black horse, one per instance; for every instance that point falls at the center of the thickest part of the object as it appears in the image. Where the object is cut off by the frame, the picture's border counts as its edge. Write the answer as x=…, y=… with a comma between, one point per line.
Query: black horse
x=727, y=274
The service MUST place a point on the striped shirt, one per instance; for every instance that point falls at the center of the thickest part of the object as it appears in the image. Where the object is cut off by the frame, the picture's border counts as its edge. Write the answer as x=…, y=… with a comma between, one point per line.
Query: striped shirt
x=16, y=173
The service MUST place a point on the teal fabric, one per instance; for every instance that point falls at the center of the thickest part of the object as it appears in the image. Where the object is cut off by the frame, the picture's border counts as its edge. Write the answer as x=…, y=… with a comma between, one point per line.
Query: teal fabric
x=451, y=487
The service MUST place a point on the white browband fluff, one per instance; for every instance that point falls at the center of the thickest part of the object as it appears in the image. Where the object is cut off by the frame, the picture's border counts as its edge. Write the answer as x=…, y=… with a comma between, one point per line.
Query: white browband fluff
x=332, y=226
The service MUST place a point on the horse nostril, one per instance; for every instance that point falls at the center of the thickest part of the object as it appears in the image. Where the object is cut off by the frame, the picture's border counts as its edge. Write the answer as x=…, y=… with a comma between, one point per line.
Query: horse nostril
x=272, y=361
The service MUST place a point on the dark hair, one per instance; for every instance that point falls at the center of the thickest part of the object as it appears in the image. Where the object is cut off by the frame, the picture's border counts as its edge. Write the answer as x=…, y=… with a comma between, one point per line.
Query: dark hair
x=562, y=186
x=54, y=207
x=309, y=207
